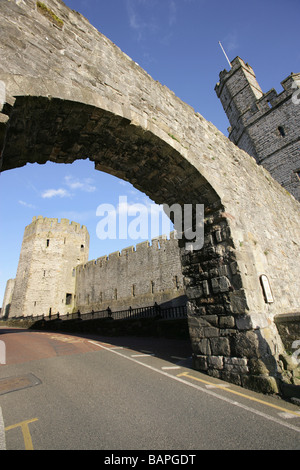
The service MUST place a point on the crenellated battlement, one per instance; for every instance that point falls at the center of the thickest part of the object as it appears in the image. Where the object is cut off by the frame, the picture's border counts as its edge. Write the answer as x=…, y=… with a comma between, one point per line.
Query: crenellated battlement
x=156, y=244
x=225, y=75
x=40, y=223
x=137, y=275
x=45, y=280
x=265, y=125
x=271, y=99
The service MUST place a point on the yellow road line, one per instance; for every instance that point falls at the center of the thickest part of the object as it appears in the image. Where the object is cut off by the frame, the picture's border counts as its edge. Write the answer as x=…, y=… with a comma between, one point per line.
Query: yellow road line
x=186, y=374
x=25, y=431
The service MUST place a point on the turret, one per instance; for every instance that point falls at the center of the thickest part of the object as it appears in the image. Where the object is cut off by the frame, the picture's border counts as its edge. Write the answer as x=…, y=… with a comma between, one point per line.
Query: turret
x=265, y=125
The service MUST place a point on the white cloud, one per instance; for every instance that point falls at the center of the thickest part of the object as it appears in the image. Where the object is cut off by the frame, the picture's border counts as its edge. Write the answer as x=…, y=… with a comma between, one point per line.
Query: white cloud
x=49, y=193
x=84, y=185
x=172, y=13
x=73, y=184
x=26, y=204
x=145, y=16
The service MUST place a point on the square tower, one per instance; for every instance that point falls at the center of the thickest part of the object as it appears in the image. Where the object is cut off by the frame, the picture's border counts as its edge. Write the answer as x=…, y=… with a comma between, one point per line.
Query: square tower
x=265, y=125
x=45, y=280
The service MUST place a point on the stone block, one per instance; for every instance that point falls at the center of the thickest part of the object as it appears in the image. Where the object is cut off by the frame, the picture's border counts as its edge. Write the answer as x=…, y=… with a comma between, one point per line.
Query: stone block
x=243, y=322
x=205, y=287
x=194, y=292
x=231, y=377
x=211, y=332
x=238, y=301
x=226, y=321
x=220, y=346
x=220, y=284
x=246, y=345
x=257, y=367
x=215, y=362
x=200, y=362
x=203, y=347
x=218, y=236
x=236, y=365
x=261, y=384
x=209, y=320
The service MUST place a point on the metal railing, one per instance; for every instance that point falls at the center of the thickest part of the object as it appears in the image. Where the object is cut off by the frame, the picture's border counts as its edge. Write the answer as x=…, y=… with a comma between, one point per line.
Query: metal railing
x=167, y=313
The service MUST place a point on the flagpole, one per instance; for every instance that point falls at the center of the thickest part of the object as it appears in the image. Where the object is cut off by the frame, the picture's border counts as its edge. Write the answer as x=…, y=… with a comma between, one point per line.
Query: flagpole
x=225, y=54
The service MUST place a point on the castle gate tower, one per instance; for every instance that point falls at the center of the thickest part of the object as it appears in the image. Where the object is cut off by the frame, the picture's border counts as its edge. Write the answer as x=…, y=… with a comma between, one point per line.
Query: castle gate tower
x=73, y=94
x=265, y=125
x=45, y=281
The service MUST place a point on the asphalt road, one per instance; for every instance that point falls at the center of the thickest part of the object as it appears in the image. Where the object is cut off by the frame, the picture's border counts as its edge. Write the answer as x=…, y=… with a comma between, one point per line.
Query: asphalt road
x=64, y=392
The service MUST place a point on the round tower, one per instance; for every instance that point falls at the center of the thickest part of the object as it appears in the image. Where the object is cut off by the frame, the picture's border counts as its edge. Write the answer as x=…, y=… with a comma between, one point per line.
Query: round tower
x=45, y=280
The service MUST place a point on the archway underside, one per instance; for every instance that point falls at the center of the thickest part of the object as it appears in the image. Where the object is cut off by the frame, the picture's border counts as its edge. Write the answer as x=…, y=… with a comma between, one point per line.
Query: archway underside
x=42, y=129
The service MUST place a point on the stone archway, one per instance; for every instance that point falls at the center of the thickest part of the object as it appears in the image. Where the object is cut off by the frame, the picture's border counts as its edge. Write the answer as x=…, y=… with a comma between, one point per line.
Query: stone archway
x=71, y=94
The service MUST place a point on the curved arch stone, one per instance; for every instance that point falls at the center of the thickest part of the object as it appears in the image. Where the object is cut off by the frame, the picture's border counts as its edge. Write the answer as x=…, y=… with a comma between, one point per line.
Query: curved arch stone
x=70, y=93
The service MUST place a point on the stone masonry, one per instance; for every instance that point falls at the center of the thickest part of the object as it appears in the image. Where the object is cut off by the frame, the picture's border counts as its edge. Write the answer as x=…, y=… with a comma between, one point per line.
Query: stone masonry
x=266, y=125
x=72, y=94
x=55, y=276
x=6, y=304
x=135, y=277
x=45, y=280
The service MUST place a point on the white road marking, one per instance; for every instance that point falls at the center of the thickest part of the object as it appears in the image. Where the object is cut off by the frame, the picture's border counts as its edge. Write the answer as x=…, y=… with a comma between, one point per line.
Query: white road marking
x=2, y=432
x=141, y=355
x=287, y=415
x=169, y=368
x=204, y=390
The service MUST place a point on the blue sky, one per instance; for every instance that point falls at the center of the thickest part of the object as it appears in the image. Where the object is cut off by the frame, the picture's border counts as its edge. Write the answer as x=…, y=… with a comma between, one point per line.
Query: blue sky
x=176, y=42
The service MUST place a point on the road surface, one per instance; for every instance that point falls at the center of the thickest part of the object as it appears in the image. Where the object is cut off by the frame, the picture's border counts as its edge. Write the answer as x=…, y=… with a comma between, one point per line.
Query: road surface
x=65, y=392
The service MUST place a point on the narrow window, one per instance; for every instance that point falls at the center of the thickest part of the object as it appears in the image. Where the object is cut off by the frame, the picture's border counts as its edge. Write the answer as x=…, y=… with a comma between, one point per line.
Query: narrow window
x=152, y=287
x=48, y=242
x=281, y=131
x=82, y=248
x=68, y=299
x=44, y=273
x=176, y=282
x=116, y=294
x=133, y=290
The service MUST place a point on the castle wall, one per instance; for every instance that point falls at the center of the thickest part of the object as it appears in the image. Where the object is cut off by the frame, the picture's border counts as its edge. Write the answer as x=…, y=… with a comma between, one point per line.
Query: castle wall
x=73, y=94
x=45, y=281
x=131, y=278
